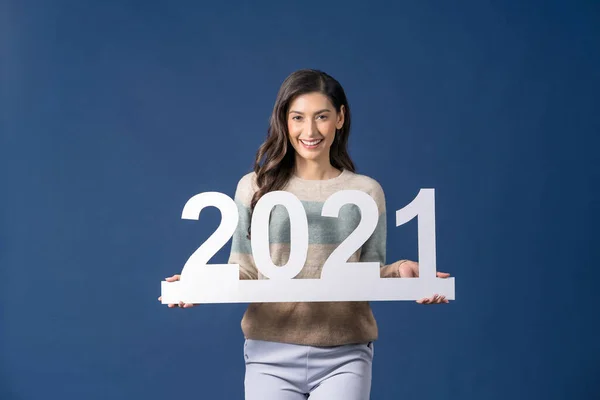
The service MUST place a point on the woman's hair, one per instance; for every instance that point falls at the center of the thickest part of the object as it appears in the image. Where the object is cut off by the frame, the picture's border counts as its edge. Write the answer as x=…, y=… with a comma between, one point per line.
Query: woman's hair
x=275, y=159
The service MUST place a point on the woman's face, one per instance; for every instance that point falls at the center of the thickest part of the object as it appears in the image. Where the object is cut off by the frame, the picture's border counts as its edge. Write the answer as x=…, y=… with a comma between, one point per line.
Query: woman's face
x=312, y=121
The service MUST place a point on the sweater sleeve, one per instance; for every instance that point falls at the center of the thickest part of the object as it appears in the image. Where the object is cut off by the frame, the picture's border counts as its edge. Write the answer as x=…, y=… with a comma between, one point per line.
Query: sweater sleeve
x=374, y=249
x=241, y=249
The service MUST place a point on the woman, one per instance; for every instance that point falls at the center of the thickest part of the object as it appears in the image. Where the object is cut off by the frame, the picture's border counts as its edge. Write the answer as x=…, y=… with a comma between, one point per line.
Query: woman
x=319, y=349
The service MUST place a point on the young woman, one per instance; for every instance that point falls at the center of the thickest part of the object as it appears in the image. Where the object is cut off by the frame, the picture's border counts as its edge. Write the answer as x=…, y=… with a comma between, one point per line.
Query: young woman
x=319, y=350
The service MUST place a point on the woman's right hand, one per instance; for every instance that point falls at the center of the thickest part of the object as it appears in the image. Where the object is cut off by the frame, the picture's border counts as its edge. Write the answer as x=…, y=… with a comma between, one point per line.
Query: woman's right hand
x=181, y=303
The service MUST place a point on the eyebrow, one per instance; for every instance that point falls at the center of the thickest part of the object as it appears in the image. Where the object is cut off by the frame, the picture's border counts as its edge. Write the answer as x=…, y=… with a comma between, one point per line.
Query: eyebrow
x=318, y=112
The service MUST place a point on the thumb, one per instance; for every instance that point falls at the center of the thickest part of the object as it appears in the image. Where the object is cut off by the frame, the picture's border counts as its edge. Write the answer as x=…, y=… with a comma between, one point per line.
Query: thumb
x=442, y=274
x=405, y=270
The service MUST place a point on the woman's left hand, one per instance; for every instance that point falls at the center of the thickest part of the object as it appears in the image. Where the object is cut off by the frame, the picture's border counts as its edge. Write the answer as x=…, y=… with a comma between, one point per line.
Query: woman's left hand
x=410, y=269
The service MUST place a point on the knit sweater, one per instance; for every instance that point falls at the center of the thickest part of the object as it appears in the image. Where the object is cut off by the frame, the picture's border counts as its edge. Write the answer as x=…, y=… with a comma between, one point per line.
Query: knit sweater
x=310, y=323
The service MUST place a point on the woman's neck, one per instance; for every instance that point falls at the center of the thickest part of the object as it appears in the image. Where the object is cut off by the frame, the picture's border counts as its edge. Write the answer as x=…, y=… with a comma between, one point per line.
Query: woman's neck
x=310, y=170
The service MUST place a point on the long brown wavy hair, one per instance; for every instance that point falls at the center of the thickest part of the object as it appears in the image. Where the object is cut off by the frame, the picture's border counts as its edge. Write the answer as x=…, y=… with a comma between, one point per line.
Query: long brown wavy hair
x=275, y=159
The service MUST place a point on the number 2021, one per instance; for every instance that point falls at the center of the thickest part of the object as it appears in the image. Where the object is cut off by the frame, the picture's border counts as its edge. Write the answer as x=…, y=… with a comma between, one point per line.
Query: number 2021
x=422, y=206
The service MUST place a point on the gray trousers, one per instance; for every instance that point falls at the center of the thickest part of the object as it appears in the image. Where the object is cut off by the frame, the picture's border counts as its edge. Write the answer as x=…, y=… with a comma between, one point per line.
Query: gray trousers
x=279, y=371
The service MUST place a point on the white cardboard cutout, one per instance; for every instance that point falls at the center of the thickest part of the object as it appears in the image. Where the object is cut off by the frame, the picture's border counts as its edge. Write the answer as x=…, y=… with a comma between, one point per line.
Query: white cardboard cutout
x=340, y=280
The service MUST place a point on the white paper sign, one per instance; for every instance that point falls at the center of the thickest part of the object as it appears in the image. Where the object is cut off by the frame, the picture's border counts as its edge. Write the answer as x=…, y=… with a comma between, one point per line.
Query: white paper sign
x=340, y=280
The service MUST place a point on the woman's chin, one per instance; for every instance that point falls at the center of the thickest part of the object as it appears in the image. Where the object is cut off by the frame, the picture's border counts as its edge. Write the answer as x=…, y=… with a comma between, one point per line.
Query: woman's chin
x=311, y=155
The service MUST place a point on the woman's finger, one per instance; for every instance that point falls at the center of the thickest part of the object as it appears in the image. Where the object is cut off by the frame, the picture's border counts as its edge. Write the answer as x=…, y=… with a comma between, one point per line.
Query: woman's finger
x=435, y=299
x=170, y=305
x=173, y=278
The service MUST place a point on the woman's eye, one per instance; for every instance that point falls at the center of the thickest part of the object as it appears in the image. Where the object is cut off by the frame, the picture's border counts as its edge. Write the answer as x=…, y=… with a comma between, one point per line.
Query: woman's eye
x=296, y=118
x=322, y=117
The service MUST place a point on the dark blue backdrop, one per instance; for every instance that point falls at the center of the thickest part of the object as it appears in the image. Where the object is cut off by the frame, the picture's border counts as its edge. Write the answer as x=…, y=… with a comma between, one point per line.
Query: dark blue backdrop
x=115, y=113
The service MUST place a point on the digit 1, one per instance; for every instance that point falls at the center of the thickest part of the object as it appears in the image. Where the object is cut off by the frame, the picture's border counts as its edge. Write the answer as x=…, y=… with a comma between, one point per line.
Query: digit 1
x=422, y=207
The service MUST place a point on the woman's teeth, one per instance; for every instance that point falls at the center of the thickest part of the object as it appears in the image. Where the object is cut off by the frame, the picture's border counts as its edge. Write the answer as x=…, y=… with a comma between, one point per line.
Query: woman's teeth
x=312, y=142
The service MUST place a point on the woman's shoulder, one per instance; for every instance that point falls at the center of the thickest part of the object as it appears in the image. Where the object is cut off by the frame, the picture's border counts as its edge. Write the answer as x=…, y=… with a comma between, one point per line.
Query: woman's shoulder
x=246, y=187
x=247, y=179
x=364, y=182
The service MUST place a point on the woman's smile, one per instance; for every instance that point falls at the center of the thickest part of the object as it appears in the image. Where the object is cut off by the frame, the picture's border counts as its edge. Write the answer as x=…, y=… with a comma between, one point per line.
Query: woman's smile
x=310, y=144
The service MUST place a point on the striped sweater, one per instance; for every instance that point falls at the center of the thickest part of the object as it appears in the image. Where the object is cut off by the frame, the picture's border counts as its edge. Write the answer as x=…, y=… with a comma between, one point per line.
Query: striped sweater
x=310, y=323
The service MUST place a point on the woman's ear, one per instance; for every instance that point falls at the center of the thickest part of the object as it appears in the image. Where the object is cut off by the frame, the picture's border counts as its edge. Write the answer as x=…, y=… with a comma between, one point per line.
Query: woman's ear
x=341, y=117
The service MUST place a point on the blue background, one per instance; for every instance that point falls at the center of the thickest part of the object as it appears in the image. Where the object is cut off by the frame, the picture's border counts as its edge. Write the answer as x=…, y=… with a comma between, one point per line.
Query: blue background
x=115, y=113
